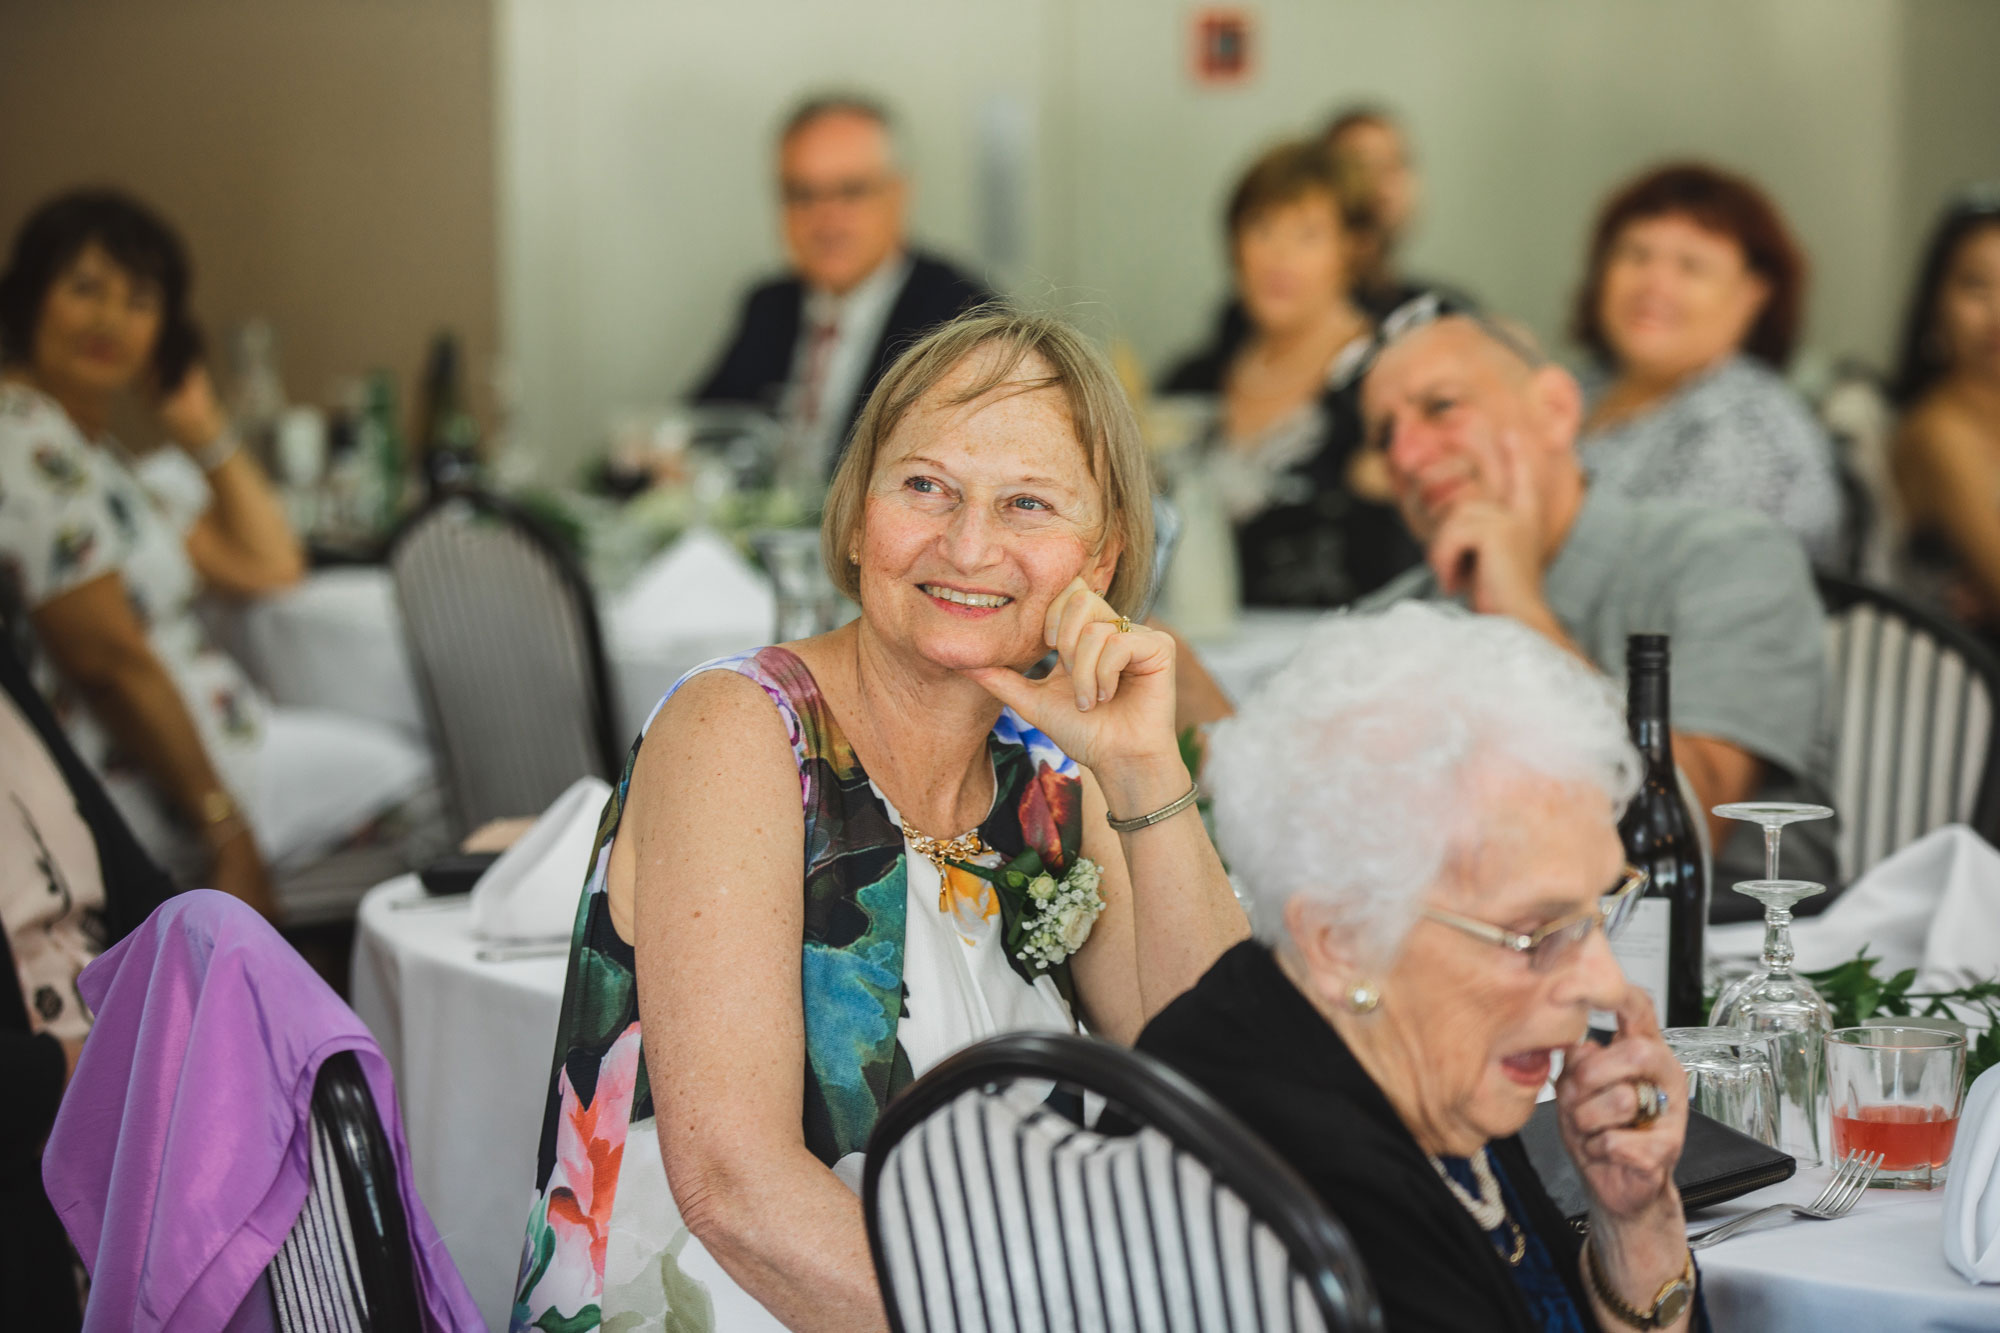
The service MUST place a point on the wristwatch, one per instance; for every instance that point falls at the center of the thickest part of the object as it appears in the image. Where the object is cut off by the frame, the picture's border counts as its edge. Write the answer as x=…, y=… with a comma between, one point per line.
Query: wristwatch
x=1669, y=1305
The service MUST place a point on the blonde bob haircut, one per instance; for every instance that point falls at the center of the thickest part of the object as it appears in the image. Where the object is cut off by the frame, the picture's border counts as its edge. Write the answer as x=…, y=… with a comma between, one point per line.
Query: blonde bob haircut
x=1098, y=410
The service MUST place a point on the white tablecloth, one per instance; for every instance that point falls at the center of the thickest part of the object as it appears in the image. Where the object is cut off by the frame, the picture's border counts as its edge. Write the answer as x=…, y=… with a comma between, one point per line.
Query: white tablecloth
x=336, y=642
x=470, y=1043
x=1261, y=641
x=1880, y=1267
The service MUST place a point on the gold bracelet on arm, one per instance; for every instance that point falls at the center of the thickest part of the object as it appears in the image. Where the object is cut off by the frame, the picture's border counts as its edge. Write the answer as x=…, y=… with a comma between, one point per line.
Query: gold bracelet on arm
x=1165, y=812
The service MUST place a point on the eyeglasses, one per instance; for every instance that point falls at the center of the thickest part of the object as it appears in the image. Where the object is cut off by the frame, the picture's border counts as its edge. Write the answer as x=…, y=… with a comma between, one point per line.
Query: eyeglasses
x=1427, y=308
x=845, y=193
x=1550, y=946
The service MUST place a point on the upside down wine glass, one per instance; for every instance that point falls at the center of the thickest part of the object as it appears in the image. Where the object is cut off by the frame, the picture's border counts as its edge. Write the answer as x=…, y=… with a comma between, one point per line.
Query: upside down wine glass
x=1775, y=1002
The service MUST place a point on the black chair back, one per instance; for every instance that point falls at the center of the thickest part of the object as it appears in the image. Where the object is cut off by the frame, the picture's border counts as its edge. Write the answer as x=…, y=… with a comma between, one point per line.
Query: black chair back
x=1914, y=700
x=503, y=634
x=990, y=1208
x=346, y=1265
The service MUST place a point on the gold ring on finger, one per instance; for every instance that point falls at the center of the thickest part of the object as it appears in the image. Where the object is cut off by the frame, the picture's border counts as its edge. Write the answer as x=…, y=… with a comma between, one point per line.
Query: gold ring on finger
x=1124, y=624
x=1652, y=1102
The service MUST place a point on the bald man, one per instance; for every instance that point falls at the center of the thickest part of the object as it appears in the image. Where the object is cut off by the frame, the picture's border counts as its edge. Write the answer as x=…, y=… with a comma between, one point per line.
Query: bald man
x=1478, y=436
x=810, y=346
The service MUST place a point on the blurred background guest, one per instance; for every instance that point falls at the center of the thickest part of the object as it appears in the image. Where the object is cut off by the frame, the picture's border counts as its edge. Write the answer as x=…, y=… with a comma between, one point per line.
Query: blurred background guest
x=1407, y=793
x=72, y=881
x=102, y=573
x=1309, y=506
x=811, y=345
x=1691, y=303
x=1370, y=141
x=1947, y=384
x=1491, y=485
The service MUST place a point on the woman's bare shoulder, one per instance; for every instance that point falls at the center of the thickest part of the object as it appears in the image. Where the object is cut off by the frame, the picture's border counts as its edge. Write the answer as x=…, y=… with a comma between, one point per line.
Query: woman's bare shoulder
x=1937, y=424
x=724, y=714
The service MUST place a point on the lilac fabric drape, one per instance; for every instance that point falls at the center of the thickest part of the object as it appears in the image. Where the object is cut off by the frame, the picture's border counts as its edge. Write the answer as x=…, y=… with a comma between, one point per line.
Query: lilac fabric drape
x=178, y=1161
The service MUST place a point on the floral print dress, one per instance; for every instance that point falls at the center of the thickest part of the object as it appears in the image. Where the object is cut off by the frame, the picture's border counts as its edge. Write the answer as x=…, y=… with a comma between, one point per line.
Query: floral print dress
x=73, y=509
x=900, y=967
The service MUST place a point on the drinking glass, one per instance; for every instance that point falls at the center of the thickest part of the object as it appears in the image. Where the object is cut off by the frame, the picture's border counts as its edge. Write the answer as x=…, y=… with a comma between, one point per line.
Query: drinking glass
x=1773, y=815
x=807, y=601
x=1897, y=1091
x=1729, y=1078
x=1776, y=1003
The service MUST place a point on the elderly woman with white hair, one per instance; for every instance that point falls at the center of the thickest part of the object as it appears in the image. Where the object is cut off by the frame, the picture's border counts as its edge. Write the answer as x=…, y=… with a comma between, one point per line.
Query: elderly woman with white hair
x=1423, y=809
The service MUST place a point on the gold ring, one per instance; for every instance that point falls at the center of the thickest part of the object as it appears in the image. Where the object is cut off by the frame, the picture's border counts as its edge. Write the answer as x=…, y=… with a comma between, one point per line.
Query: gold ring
x=1124, y=624
x=1652, y=1102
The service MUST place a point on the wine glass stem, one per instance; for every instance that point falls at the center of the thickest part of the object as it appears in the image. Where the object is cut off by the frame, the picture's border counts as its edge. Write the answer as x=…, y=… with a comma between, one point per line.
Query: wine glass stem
x=1778, y=941
x=1772, y=832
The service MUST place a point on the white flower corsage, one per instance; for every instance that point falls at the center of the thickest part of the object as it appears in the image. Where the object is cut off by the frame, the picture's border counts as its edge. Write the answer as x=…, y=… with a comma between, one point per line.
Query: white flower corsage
x=1063, y=913
x=1051, y=917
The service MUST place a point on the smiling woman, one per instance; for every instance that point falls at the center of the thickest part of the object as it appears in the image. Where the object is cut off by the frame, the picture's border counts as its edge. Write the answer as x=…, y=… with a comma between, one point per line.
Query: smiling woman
x=795, y=895
x=1692, y=299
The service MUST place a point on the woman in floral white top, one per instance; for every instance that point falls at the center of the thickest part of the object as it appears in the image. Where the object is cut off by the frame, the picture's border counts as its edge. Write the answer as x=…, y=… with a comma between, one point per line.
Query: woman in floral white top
x=98, y=575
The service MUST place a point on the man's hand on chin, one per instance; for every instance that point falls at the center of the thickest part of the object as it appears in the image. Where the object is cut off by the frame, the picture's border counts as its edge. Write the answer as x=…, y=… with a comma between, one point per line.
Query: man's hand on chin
x=1491, y=554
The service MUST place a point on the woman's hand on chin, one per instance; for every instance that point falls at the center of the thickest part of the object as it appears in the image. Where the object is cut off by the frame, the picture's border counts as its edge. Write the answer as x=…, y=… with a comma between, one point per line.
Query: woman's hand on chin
x=1628, y=1170
x=1110, y=699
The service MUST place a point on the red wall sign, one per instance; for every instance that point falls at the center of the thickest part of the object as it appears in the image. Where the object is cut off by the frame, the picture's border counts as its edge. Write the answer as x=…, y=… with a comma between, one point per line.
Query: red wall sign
x=1222, y=46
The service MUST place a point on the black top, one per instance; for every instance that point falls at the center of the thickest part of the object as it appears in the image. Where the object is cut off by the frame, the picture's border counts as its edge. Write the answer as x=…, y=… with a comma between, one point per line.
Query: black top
x=757, y=364
x=1249, y=1038
x=35, y=1287
x=1331, y=547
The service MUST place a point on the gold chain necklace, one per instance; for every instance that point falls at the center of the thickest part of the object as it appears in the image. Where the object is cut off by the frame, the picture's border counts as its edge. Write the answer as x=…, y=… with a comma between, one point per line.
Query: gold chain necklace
x=940, y=850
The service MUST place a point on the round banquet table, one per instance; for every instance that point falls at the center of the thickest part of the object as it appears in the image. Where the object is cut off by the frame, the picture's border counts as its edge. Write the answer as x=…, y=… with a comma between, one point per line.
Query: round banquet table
x=1880, y=1267
x=336, y=642
x=470, y=1041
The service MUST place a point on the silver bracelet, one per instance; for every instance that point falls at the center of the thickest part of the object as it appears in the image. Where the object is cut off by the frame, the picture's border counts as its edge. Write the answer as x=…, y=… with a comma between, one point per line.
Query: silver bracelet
x=1163, y=813
x=217, y=451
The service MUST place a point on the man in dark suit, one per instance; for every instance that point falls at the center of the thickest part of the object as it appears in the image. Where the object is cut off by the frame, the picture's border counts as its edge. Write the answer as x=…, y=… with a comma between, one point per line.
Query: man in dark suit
x=810, y=346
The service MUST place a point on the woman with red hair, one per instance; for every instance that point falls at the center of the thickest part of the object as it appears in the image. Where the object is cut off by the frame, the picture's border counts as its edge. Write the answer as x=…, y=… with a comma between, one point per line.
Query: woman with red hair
x=1690, y=307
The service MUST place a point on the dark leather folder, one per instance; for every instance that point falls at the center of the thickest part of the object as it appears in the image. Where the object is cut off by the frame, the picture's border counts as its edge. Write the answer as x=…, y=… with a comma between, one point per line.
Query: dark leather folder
x=1717, y=1164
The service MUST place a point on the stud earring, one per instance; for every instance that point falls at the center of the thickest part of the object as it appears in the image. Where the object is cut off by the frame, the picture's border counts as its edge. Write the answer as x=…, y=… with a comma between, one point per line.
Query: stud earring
x=1363, y=998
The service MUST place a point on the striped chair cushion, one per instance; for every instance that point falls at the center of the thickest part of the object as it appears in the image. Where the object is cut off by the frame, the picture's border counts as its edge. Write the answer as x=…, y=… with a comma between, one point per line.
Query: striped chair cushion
x=999, y=1215
x=1914, y=723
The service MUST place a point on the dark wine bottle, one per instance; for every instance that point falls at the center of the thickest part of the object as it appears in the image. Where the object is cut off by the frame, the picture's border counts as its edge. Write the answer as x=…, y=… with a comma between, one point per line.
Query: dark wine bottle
x=447, y=435
x=1660, y=947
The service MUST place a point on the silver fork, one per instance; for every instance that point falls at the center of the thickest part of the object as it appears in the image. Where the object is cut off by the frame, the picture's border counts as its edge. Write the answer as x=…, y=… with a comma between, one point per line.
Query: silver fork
x=1850, y=1178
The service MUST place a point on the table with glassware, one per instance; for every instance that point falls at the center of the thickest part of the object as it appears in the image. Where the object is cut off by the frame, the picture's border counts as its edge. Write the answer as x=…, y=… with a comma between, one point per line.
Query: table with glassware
x=468, y=1025
x=1880, y=1267
x=469, y=1028
x=336, y=642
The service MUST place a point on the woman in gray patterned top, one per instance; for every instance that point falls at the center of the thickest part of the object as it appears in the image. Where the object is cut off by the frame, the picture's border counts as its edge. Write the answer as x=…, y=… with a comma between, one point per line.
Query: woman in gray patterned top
x=1691, y=307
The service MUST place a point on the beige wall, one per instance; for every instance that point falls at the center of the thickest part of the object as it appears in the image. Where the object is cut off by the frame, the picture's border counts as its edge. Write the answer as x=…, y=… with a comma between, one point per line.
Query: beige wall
x=329, y=161
x=634, y=150
x=593, y=175
x=1951, y=126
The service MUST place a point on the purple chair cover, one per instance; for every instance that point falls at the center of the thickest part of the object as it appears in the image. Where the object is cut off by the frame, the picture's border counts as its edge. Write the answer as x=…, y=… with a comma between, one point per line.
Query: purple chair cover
x=178, y=1159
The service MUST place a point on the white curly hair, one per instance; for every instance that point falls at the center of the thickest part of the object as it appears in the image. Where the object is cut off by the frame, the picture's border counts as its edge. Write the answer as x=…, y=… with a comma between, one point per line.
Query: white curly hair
x=1345, y=778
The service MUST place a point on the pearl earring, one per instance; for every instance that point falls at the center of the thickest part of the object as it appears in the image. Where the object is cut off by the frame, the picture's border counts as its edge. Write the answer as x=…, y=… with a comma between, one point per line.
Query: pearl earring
x=1363, y=998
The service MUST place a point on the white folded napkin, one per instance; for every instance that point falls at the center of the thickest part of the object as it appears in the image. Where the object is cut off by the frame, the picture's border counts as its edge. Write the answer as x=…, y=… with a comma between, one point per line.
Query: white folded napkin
x=699, y=585
x=1934, y=906
x=530, y=893
x=1972, y=1185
